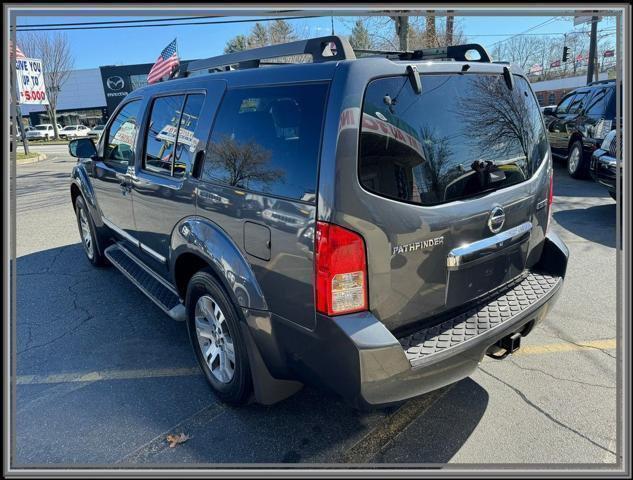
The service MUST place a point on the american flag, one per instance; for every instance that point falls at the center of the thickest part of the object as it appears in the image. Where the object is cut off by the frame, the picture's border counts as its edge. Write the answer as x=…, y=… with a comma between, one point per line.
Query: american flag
x=166, y=63
x=18, y=52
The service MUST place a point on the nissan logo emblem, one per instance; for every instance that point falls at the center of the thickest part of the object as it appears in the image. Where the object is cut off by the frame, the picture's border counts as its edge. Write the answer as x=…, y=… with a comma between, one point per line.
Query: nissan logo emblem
x=496, y=219
x=115, y=83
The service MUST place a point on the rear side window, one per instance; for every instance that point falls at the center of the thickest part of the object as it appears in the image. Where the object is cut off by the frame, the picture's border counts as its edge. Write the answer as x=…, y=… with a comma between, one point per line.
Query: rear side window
x=170, y=134
x=267, y=139
x=462, y=136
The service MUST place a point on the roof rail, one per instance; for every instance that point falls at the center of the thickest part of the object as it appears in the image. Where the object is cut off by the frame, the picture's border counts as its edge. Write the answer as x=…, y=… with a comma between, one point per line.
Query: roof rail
x=599, y=82
x=319, y=48
x=454, y=52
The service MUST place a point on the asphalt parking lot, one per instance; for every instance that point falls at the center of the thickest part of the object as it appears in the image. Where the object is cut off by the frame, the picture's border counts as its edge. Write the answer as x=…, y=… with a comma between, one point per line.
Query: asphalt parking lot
x=103, y=375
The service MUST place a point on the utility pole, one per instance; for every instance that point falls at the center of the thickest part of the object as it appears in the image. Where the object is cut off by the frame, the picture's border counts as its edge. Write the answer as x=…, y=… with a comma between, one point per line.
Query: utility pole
x=449, y=27
x=593, y=47
x=402, y=30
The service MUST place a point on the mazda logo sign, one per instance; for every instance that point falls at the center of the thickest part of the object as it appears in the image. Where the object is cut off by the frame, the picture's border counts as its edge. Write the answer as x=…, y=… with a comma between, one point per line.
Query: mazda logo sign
x=115, y=83
x=496, y=219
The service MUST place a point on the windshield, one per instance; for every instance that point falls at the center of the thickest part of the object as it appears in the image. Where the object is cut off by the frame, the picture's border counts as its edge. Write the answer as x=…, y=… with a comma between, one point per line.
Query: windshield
x=462, y=136
x=42, y=127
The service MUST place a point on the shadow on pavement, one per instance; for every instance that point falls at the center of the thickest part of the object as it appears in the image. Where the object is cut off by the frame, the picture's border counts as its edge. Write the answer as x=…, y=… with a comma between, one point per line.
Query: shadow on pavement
x=596, y=224
x=439, y=434
x=73, y=318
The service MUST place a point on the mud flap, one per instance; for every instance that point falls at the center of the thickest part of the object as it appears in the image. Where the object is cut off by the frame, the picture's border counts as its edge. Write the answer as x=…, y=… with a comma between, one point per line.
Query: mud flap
x=267, y=390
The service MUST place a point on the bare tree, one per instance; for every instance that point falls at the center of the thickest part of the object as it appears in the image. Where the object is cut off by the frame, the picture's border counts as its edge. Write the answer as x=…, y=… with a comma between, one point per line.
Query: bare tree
x=431, y=38
x=243, y=163
x=57, y=63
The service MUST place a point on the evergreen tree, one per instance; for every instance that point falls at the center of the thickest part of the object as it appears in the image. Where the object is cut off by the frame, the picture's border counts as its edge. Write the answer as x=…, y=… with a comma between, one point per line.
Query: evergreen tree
x=236, y=44
x=360, y=37
x=259, y=36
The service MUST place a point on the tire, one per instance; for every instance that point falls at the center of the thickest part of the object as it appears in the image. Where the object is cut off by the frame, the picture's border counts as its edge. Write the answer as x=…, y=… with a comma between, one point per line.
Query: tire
x=576, y=165
x=206, y=300
x=92, y=247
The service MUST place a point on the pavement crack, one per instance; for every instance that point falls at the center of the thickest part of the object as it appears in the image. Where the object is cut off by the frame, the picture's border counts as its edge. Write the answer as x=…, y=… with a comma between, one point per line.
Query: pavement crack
x=580, y=382
x=77, y=326
x=544, y=413
x=585, y=346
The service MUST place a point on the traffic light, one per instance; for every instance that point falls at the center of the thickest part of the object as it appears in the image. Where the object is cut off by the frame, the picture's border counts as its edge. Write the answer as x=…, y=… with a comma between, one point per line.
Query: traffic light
x=565, y=53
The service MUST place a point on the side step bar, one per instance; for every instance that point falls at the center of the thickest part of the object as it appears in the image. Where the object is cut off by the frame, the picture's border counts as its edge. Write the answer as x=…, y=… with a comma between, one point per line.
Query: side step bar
x=157, y=289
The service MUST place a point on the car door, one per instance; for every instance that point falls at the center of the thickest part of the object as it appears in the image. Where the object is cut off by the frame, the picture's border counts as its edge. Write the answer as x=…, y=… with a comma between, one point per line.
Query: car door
x=556, y=126
x=113, y=168
x=175, y=133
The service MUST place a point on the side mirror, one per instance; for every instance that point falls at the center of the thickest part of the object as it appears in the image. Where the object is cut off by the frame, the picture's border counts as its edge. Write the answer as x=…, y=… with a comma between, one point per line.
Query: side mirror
x=82, y=148
x=548, y=111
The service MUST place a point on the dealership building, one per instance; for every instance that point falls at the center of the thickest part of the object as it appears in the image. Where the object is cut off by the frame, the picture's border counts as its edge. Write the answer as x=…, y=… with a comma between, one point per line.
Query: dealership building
x=89, y=96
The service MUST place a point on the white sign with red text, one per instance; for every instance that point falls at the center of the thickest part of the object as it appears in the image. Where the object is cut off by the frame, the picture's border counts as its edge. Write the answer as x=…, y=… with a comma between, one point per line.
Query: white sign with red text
x=30, y=80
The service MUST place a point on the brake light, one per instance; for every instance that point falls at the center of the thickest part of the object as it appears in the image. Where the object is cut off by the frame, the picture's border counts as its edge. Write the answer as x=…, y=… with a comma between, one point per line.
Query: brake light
x=550, y=198
x=341, y=270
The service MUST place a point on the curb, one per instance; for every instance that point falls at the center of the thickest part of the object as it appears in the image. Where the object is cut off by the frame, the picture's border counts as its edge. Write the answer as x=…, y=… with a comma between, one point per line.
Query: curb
x=27, y=161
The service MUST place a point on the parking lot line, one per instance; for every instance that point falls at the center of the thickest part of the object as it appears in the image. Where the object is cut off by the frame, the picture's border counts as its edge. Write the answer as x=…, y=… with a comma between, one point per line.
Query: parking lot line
x=605, y=344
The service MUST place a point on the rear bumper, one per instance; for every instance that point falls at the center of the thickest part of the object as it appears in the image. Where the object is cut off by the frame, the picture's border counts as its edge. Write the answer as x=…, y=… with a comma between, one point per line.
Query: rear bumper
x=359, y=358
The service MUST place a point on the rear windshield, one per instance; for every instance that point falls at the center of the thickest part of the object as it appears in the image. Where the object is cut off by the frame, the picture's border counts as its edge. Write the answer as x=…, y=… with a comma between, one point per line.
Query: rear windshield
x=464, y=135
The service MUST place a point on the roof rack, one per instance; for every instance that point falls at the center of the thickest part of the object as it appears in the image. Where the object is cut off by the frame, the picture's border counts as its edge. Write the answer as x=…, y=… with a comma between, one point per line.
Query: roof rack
x=322, y=49
x=452, y=52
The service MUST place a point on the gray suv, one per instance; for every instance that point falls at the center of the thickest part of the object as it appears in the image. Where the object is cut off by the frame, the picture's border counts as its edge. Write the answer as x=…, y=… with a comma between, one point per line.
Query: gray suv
x=373, y=225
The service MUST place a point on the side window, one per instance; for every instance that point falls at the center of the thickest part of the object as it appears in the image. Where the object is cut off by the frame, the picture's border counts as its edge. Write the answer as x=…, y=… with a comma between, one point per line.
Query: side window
x=595, y=107
x=267, y=139
x=119, y=145
x=161, y=134
x=563, y=106
x=187, y=141
x=170, y=134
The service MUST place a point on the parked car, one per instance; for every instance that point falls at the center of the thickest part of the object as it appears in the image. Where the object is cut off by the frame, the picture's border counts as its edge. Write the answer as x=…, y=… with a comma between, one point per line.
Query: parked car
x=96, y=131
x=579, y=124
x=44, y=131
x=604, y=164
x=74, y=131
x=424, y=241
x=27, y=129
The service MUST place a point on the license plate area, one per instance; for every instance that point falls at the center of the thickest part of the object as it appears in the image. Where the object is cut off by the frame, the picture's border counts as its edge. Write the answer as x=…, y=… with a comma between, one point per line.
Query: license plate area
x=474, y=280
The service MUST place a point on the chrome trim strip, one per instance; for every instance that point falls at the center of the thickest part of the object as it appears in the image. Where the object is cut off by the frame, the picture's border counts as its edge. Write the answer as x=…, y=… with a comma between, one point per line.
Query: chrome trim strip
x=456, y=257
x=123, y=233
x=153, y=253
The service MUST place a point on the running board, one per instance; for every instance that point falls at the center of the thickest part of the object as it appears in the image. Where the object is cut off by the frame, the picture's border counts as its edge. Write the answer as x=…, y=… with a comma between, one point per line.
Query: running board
x=157, y=289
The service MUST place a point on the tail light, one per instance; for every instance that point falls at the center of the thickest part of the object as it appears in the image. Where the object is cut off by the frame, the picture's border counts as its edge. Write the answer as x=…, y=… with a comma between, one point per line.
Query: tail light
x=341, y=270
x=550, y=198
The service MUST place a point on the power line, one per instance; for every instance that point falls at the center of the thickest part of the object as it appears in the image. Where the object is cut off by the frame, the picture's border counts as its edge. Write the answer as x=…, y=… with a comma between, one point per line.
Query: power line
x=116, y=21
x=526, y=31
x=167, y=24
x=536, y=34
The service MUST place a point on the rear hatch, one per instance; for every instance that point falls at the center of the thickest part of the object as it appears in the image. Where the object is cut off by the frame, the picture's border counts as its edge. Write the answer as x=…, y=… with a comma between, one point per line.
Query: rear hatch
x=456, y=179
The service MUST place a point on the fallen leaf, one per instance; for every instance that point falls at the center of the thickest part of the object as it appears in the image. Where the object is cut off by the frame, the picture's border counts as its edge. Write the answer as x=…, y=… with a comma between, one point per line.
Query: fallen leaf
x=176, y=439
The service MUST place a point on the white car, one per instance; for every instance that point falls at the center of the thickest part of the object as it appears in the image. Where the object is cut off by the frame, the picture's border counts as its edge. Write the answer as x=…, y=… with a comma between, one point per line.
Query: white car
x=44, y=131
x=96, y=131
x=74, y=131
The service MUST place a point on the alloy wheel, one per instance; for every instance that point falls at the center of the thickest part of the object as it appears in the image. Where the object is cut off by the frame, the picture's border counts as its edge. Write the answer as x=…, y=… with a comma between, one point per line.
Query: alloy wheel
x=214, y=338
x=574, y=160
x=86, y=234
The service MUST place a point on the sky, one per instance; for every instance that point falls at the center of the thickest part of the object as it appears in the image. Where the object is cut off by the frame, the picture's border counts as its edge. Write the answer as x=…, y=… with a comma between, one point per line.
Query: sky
x=94, y=48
